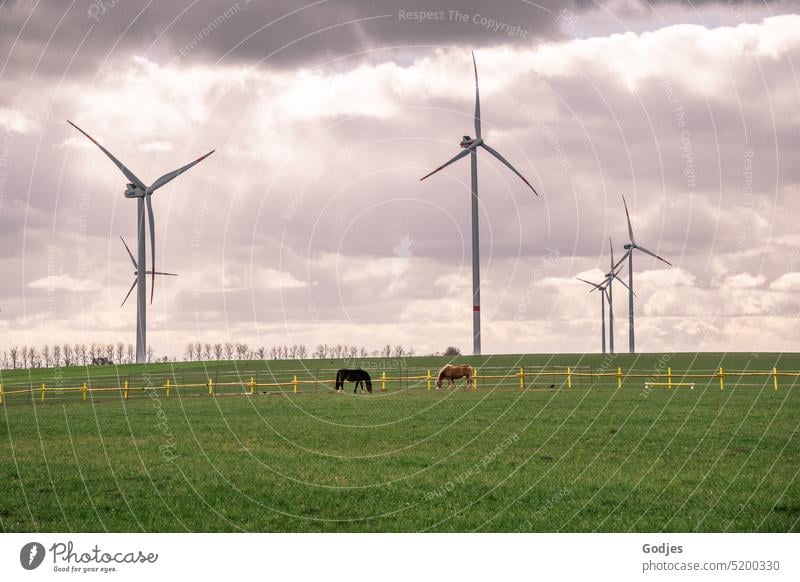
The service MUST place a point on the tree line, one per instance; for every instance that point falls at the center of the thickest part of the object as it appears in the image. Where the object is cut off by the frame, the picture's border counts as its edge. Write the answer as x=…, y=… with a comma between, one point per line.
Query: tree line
x=82, y=354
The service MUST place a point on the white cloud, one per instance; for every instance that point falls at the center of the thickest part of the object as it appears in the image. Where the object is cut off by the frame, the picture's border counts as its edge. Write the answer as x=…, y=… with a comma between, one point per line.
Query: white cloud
x=786, y=282
x=64, y=282
x=14, y=121
x=744, y=281
x=157, y=146
x=275, y=279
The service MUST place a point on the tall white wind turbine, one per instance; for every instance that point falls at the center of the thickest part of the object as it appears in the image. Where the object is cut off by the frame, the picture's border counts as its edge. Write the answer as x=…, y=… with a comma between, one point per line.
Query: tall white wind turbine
x=470, y=147
x=137, y=189
x=629, y=248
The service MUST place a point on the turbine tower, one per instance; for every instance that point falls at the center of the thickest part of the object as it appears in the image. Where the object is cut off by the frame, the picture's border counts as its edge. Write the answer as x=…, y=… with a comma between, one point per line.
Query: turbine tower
x=137, y=189
x=629, y=248
x=470, y=147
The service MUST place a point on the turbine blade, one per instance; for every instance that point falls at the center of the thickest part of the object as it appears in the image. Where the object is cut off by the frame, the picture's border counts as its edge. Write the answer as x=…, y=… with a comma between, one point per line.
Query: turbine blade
x=460, y=155
x=161, y=273
x=129, y=292
x=595, y=285
x=628, y=217
x=611, y=245
x=135, y=266
x=152, y=225
x=624, y=284
x=622, y=260
x=477, y=100
x=175, y=173
x=496, y=154
x=128, y=174
x=652, y=254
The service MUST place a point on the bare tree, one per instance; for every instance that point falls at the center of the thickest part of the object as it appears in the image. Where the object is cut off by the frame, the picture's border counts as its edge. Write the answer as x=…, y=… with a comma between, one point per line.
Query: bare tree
x=13, y=352
x=150, y=354
x=57, y=356
x=69, y=355
x=217, y=351
x=120, y=352
x=241, y=350
x=47, y=358
x=190, y=352
x=302, y=351
x=228, y=351
x=386, y=351
x=452, y=351
x=207, y=351
x=260, y=353
x=81, y=351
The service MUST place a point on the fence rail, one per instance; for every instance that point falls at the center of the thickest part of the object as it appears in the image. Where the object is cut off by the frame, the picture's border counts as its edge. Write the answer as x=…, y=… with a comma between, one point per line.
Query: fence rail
x=524, y=378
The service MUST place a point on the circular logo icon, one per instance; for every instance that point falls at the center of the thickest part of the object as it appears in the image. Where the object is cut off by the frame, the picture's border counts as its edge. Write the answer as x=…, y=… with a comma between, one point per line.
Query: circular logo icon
x=31, y=555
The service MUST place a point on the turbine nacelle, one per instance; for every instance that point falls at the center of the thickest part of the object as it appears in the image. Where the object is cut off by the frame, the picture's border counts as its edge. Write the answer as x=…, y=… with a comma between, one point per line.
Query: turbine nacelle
x=133, y=191
x=468, y=142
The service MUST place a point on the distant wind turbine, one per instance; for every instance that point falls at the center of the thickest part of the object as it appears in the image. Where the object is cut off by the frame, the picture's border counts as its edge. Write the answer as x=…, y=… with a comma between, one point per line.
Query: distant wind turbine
x=136, y=272
x=630, y=247
x=470, y=147
x=137, y=189
x=606, y=295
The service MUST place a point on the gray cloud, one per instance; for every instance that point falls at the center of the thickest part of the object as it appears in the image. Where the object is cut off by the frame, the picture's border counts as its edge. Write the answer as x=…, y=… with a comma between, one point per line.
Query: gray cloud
x=316, y=181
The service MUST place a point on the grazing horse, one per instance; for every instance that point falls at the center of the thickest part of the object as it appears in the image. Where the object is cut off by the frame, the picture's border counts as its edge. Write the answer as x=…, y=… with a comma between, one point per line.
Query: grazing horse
x=451, y=373
x=359, y=376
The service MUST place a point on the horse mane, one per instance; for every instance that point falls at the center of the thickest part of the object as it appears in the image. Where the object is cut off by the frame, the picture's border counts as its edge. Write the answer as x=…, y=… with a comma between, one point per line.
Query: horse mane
x=440, y=376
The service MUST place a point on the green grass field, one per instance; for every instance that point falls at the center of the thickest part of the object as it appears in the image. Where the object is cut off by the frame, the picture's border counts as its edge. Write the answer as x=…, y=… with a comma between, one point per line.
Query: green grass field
x=590, y=458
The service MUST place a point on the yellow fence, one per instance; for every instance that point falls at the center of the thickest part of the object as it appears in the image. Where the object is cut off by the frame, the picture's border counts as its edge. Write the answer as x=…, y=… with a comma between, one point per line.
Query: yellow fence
x=519, y=378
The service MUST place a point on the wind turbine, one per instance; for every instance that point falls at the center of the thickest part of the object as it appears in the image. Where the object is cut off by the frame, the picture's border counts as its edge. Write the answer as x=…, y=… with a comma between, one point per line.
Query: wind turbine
x=137, y=189
x=470, y=147
x=136, y=272
x=603, y=297
x=630, y=247
x=606, y=295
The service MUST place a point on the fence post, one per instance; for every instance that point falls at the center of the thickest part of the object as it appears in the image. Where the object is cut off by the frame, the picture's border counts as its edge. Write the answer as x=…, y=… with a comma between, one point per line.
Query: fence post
x=669, y=378
x=84, y=390
x=522, y=378
x=383, y=381
x=1, y=393
x=619, y=377
x=294, y=384
x=42, y=391
x=721, y=379
x=774, y=381
x=475, y=380
x=126, y=389
x=429, y=379
x=252, y=385
x=210, y=387
x=166, y=386
x=569, y=378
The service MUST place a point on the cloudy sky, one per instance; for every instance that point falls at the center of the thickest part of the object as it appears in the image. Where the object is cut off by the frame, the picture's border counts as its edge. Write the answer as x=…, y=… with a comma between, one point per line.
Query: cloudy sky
x=309, y=223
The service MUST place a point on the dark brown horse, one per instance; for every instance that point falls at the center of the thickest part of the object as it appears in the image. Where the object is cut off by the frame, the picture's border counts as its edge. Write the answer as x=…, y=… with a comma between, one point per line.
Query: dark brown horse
x=359, y=376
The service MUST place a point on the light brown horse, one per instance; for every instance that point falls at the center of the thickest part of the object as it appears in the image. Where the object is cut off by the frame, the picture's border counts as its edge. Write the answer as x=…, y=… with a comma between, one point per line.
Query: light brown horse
x=452, y=373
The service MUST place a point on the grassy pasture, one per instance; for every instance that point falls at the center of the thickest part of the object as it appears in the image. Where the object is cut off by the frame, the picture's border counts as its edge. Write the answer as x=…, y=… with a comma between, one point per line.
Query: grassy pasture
x=593, y=458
